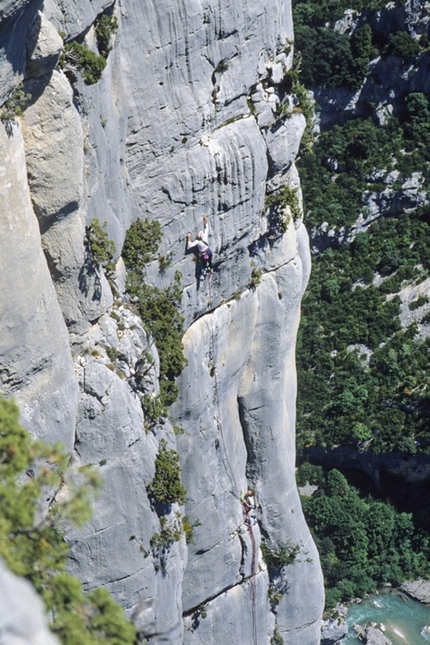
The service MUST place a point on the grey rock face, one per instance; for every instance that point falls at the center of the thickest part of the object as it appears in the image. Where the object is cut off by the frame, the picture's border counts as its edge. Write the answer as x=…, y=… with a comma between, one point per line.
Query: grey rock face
x=55, y=163
x=374, y=636
x=115, y=550
x=283, y=143
x=15, y=17
x=35, y=360
x=418, y=589
x=44, y=46
x=234, y=424
x=228, y=619
x=332, y=631
x=22, y=615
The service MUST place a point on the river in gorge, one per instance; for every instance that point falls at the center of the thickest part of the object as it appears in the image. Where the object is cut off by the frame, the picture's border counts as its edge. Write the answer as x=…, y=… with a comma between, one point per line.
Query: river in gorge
x=401, y=617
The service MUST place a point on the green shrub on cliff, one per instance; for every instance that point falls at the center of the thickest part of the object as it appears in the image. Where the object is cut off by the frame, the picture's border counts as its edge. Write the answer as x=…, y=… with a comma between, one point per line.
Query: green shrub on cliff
x=141, y=244
x=166, y=486
x=105, y=26
x=403, y=45
x=77, y=56
x=102, y=248
x=282, y=204
x=15, y=104
x=158, y=308
x=31, y=539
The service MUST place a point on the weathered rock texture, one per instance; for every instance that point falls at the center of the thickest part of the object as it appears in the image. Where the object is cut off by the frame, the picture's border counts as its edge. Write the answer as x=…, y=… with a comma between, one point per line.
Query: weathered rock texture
x=184, y=122
x=418, y=589
x=22, y=615
x=35, y=360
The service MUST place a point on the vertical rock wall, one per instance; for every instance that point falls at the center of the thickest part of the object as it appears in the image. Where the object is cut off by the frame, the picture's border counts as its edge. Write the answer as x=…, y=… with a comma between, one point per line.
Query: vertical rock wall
x=184, y=122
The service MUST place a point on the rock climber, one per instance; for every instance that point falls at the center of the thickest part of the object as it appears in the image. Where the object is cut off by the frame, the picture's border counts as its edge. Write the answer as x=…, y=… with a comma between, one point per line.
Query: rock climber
x=202, y=246
x=250, y=506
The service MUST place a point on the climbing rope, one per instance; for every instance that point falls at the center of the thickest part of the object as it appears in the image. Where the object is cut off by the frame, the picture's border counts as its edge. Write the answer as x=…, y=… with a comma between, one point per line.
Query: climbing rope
x=253, y=580
x=230, y=473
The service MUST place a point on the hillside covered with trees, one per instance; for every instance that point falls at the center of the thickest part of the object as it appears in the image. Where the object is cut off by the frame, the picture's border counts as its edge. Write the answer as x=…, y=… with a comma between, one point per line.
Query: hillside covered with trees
x=364, y=343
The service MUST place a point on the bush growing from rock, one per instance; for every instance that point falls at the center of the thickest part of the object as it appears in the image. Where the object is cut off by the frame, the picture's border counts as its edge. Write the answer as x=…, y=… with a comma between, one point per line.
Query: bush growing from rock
x=77, y=56
x=31, y=540
x=158, y=308
x=166, y=487
x=102, y=248
x=141, y=244
x=105, y=26
x=403, y=45
x=14, y=105
x=281, y=556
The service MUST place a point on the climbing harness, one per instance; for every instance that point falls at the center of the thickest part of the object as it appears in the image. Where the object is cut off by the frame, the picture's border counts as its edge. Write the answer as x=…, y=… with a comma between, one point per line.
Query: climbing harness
x=205, y=260
x=230, y=472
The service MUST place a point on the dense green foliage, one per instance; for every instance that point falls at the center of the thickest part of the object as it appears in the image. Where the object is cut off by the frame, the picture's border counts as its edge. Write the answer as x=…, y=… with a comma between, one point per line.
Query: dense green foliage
x=77, y=56
x=334, y=59
x=15, y=104
x=282, y=205
x=317, y=13
x=166, y=486
x=32, y=543
x=105, y=26
x=141, y=244
x=363, y=381
x=158, y=308
x=381, y=396
x=363, y=542
x=348, y=399
x=345, y=396
x=102, y=248
x=340, y=168
x=403, y=45
x=328, y=58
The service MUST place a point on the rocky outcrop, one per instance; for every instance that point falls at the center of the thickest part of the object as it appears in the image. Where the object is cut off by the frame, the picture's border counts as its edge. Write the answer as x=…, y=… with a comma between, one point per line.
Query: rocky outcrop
x=184, y=122
x=35, y=358
x=374, y=636
x=333, y=630
x=44, y=46
x=226, y=419
x=418, y=589
x=22, y=615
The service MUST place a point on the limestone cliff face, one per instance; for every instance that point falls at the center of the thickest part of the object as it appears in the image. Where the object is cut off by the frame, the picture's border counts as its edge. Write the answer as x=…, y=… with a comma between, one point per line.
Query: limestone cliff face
x=22, y=616
x=183, y=122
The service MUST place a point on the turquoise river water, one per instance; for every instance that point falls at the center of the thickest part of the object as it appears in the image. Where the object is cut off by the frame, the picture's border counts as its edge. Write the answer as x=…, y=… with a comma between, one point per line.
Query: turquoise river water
x=402, y=617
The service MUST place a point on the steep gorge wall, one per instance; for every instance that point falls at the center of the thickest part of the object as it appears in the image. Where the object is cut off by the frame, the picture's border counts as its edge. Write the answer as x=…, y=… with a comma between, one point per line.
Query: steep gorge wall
x=170, y=134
